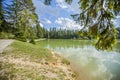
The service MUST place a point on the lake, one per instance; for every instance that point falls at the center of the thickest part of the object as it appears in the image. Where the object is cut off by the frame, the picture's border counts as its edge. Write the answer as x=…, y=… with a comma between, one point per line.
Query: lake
x=89, y=63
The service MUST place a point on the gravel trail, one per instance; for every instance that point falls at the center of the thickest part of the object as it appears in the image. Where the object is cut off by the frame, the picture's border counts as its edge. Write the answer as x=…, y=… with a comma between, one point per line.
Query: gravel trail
x=4, y=43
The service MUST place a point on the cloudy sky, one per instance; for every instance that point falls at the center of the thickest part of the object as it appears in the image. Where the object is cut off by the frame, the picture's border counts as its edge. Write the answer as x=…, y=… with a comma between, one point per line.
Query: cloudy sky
x=57, y=14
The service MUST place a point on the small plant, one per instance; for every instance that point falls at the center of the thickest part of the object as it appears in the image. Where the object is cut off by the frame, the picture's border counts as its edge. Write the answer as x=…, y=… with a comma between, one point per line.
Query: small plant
x=23, y=39
x=64, y=61
x=32, y=41
x=3, y=35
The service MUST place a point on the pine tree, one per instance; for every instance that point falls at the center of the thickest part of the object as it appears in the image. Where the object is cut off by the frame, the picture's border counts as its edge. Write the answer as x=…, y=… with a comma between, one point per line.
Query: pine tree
x=97, y=16
x=1, y=15
x=23, y=18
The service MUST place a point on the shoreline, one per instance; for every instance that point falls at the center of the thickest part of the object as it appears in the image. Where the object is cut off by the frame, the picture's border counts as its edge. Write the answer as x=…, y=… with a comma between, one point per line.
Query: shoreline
x=70, y=65
x=18, y=63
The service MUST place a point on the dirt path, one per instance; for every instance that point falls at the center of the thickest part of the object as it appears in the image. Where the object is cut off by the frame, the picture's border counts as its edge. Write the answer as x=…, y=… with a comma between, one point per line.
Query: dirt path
x=4, y=43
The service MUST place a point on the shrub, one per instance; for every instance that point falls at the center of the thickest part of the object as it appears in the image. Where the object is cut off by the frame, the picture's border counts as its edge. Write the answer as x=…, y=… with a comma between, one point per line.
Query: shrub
x=64, y=61
x=4, y=35
x=22, y=38
x=11, y=36
x=32, y=41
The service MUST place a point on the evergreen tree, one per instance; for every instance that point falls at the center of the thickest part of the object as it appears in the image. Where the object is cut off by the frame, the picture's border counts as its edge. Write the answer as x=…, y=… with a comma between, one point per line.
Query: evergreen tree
x=1, y=14
x=118, y=29
x=97, y=16
x=55, y=33
x=5, y=30
x=24, y=20
x=39, y=31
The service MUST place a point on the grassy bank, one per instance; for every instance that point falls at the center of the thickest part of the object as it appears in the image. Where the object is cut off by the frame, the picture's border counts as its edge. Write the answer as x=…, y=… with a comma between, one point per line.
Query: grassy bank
x=25, y=61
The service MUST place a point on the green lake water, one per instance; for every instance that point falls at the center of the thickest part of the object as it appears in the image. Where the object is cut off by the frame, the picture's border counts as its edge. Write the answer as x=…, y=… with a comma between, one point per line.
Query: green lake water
x=89, y=63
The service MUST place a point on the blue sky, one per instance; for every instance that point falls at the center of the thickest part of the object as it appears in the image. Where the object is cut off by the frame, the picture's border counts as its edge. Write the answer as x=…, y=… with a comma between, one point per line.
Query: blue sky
x=57, y=14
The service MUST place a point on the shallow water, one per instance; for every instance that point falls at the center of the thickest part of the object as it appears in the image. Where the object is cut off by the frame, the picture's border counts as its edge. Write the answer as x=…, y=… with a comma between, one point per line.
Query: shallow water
x=89, y=63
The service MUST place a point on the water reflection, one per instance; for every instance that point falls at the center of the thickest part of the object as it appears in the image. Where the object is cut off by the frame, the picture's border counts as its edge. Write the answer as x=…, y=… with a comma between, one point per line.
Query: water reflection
x=89, y=63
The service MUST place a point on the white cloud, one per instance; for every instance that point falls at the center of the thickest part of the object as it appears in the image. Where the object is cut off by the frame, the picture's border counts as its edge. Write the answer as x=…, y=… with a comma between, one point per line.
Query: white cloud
x=66, y=23
x=48, y=14
x=41, y=24
x=46, y=21
x=62, y=4
x=74, y=7
x=49, y=22
x=117, y=21
x=118, y=16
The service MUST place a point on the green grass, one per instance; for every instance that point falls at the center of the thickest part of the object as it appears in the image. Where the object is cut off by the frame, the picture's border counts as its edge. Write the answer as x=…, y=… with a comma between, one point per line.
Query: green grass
x=34, y=51
x=23, y=50
x=64, y=61
x=12, y=66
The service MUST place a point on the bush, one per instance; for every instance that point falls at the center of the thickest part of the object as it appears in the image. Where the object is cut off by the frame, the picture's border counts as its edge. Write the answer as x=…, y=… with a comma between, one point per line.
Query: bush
x=22, y=38
x=32, y=41
x=64, y=61
x=4, y=35
x=11, y=36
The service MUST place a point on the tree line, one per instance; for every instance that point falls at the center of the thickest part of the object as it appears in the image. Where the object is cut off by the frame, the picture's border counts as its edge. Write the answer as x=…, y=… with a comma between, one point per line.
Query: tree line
x=55, y=33
x=59, y=33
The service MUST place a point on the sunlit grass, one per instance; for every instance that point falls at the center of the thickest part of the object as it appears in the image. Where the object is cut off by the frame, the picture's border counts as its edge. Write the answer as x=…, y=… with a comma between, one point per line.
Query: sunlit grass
x=34, y=51
x=24, y=61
